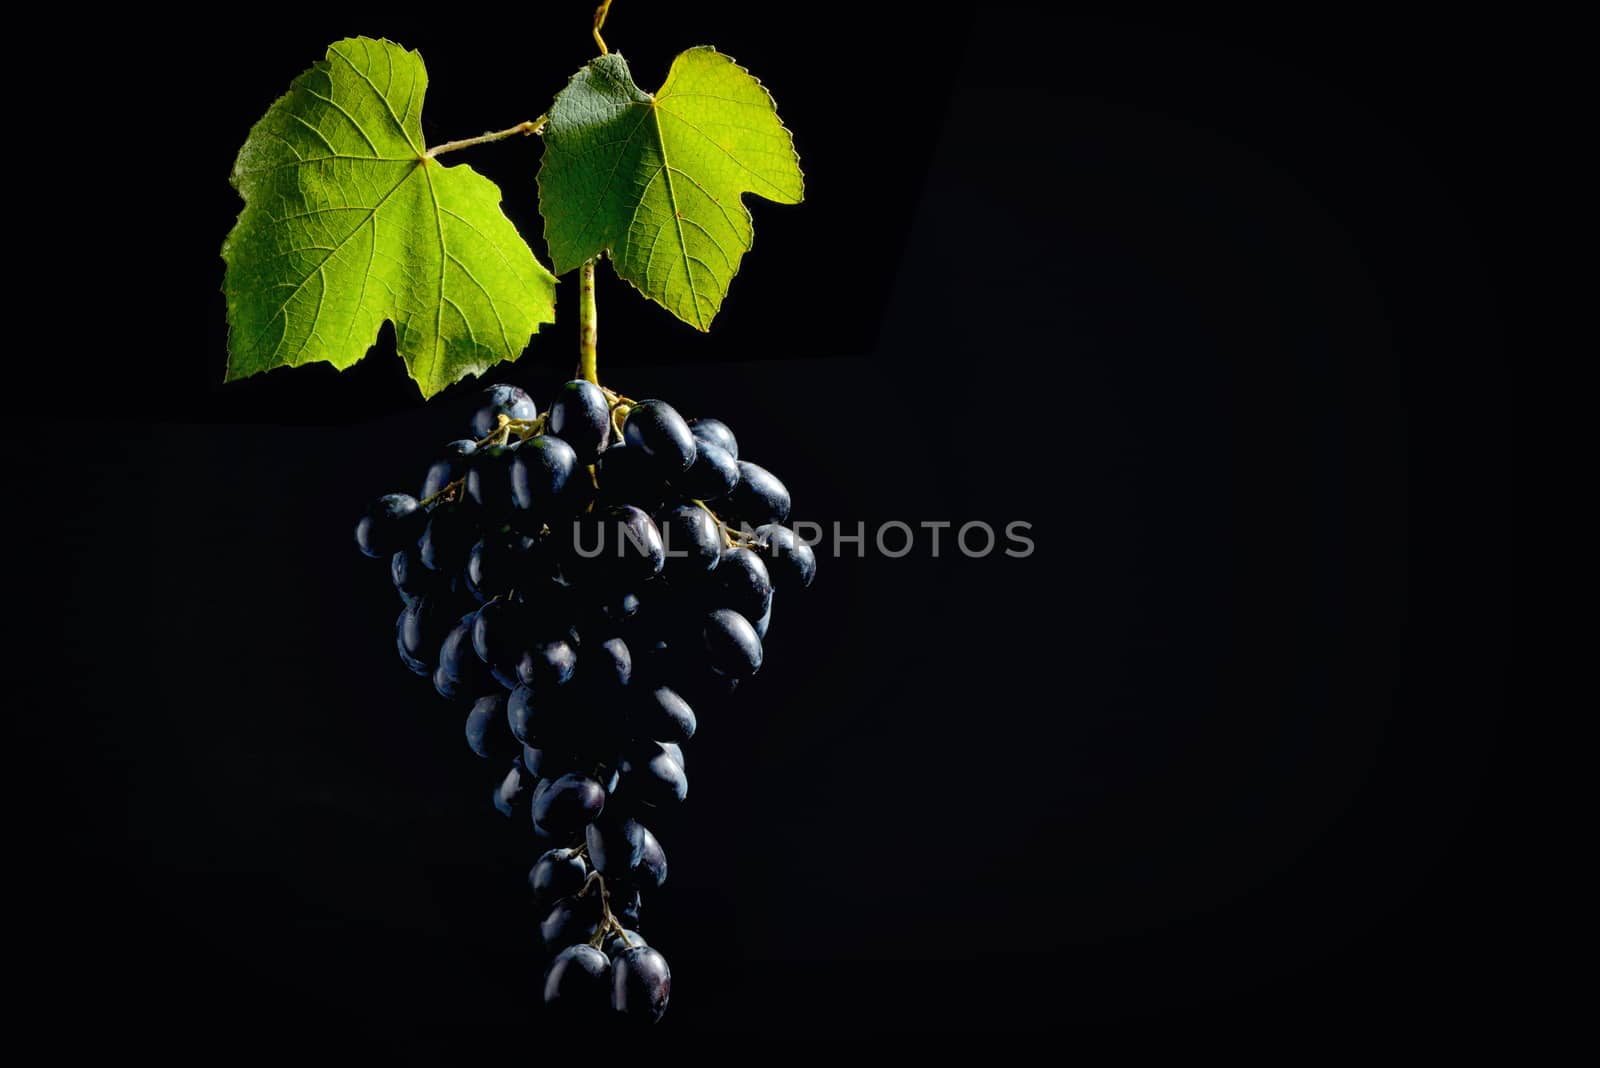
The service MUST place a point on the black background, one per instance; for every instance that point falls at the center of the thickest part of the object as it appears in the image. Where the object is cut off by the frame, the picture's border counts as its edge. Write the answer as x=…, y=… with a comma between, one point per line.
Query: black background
x=1218, y=305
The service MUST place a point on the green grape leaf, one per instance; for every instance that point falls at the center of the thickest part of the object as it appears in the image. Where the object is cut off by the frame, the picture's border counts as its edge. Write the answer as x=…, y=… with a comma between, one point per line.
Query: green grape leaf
x=658, y=179
x=348, y=222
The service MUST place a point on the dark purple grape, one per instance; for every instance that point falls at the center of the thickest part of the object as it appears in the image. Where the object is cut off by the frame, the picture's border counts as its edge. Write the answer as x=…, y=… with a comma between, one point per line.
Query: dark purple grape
x=577, y=986
x=411, y=579
x=416, y=665
x=717, y=433
x=423, y=626
x=575, y=918
x=448, y=537
x=568, y=803
x=488, y=733
x=759, y=498
x=732, y=644
x=514, y=791
x=460, y=674
x=650, y=775
x=660, y=713
x=713, y=474
x=501, y=399
x=547, y=664
x=790, y=561
x=581, y=415
x=620, y=941
x=765, y=621
x=618, y=548
x=656, y=427
x=641, y=983
x=539, y=474
x=743, y=583
x=390, y=523
x=691, y=541
x=556, y=874
x=489, y=480
x=626, y=852
x=449, y=467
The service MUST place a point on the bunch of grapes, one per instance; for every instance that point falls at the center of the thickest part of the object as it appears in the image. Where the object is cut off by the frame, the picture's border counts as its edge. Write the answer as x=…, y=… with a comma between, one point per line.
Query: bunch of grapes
x=581, y=581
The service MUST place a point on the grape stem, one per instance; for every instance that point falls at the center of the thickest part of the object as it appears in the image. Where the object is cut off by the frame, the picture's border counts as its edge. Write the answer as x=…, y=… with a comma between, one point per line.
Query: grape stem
x=588, y=325
x=608, y=922
x=506, y=426
x=452, y=492
x=599, y=21
x=731, y=539
x=531, y=127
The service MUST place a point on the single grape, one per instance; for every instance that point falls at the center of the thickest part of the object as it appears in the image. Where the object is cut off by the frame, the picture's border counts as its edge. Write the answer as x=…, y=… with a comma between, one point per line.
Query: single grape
x=759, y=498
x=416, y=665
x=616, y=548
x=732, y=643
x=577, y=986
x=568, y=803
x=411, y=579
x=448, y=537
x=626, y=852
x=789, y=560
x=389, y=524
x=581, y=415
x=556, y=874
x=652, y=776
x=675, y=751
x=424, y=624
x=717, y=433
x=500, y=631
x=641, y=983
x=765, y=621
x=539, y=474
x=487, y=731
x=449, y=467
x=489, y=479
x=514, y=790
x=691, y=541
x=620, y=941
x=743, y=583
x=662, y=714
x=656, y=427
x=547, y=664
x=713, y=474
x=574, y=918
x=497, y=400
x=460, y=673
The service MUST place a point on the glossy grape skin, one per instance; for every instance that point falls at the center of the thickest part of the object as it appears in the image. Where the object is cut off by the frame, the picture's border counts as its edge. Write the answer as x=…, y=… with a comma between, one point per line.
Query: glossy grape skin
x=641, y=983
x=568, y=803
x=547, y=664
x=626, y=903
x=581, y=416
x=460, y=674
x=675, y=751
x=651, y=775
x=423, y=626
x=759, y=498
x=743, y=583
x=626, y=852
x=499, y=631
x=662, y=714
x=717, y=433
x=577, y=986
x=514, y=791
x=790, y=561
x=488, y=734
x=604, y=670
x=448, y=537
x=691, y=541
x=571, y=920
x=731, y=643
x=556, y=874
x=489, y=479
x=614, y=943
x=618, y=548
x=449, y=467
x=765, y=621
x=655, y=427
x=493, y=565
x=501, y=399
x=411, y=579
x=713, y=474
x=538, y=716
x=420, y=667
x=539, y=474
x=389, y=524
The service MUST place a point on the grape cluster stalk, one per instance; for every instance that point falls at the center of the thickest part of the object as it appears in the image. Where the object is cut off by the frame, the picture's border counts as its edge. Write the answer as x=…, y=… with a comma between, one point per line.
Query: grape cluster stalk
x=579, y=583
